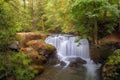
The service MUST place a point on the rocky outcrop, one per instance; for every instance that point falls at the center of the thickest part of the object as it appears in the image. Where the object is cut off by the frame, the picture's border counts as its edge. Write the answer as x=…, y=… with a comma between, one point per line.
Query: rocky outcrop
x=34, y=55
x=24, y=37
x=42, y=47
x=33, y=45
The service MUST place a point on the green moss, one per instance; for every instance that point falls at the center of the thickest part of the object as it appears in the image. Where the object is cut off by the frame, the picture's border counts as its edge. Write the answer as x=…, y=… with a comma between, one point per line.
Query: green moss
x=112, y=66
x=50, y=48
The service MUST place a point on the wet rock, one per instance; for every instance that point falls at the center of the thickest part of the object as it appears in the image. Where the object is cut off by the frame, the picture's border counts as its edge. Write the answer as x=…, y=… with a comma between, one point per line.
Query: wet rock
x=75, y=62
x=62, y=63
x=52, y=59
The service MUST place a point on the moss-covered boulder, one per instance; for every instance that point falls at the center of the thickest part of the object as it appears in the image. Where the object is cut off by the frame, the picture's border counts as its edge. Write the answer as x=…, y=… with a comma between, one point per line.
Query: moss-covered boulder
x=42, y=47
x=37, y=69
x=24, y=37
x=34, y=55
x=111, y=68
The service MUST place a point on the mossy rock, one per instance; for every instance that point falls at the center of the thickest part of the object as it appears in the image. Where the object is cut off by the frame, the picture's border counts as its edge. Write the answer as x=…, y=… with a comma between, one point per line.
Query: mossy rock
x=34, y=55
x=37, y=69
x=42, y=47
x=36, y=44
x=111, y=68
x=24, y=37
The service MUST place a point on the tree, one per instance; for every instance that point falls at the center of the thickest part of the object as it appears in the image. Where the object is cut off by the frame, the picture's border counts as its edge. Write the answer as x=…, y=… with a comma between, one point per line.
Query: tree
x=89, y=14
x=9, y=23
x=58, y=16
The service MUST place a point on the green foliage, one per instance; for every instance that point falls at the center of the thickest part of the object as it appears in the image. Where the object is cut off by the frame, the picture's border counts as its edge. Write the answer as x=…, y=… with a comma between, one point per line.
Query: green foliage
x=112, y=66
x=88, y=13
x=86, y=17
x=58, y=17
x=115, y=58
x=16, y=67
x=8, y=24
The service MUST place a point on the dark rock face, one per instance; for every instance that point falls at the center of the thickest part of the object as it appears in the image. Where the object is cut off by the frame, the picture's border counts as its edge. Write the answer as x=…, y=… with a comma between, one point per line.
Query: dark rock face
x=101, y=53
x=52, y=59
x=75, y=62
x=14, y=46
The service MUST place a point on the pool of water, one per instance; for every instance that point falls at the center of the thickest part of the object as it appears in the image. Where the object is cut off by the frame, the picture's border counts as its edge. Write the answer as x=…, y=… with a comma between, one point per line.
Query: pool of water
x=68, y=73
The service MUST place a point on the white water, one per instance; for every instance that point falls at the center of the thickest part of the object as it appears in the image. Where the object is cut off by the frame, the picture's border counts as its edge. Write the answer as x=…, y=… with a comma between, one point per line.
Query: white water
x=67, y=48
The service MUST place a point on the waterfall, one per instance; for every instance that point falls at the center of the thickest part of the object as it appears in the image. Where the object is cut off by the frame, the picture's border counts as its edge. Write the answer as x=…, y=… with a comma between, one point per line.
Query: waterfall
x=67, y=47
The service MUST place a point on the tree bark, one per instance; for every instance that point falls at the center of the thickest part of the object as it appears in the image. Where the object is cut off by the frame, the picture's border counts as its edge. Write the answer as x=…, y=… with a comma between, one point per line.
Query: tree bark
x=33, y=15
x=119, y=17
x=24, y=4
x=95, y=36
x=43, y=27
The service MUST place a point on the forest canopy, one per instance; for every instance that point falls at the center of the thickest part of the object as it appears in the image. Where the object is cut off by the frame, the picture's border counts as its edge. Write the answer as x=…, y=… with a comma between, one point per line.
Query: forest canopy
x=93, y=19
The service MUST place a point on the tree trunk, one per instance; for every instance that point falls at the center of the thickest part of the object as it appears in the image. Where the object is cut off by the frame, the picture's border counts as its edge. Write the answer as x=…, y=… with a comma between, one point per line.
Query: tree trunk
x=95, y=36
x=33, y=15
x=119, y=17
x=43, y=27
x=105, y=14
x=24, y=4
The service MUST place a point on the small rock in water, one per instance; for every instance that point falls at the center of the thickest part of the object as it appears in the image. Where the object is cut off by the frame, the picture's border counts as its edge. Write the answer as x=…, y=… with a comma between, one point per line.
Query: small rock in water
x=75, y=62
x=62, y=63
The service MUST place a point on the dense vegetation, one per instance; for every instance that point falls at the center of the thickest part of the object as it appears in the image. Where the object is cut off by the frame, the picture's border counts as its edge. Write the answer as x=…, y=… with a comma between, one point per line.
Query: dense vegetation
x=93, y=19
x=112, y=72
x=15, y=68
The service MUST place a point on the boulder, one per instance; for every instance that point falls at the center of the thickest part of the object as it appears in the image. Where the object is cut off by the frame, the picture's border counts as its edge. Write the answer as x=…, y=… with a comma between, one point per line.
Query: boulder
x=42, y=47
x=62, y=63
x=14, y=46
x=76, y=62
x=37, y=44
x=24, y=37
x=34, y=55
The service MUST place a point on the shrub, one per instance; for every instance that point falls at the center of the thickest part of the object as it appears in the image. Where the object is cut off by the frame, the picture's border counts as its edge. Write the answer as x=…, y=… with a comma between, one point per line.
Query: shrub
x=111, y=68
x=16, y=67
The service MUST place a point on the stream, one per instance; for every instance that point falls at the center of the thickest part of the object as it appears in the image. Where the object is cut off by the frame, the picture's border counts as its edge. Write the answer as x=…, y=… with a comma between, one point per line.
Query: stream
x=69, y=50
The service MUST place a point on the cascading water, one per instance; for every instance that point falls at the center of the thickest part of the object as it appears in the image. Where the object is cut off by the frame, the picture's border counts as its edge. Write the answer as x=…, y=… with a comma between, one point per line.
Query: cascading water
x=68, y=48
